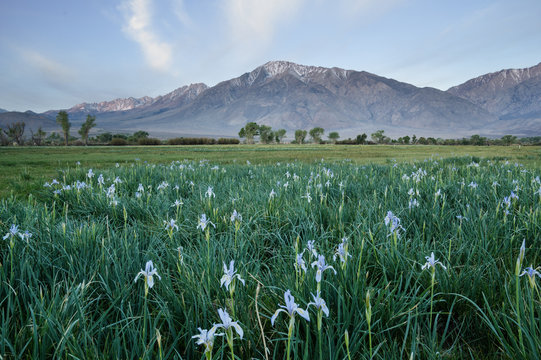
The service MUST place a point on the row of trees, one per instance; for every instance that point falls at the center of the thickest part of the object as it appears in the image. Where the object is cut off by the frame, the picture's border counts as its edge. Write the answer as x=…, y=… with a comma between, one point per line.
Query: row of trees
x=269, y=136
x=14, y=133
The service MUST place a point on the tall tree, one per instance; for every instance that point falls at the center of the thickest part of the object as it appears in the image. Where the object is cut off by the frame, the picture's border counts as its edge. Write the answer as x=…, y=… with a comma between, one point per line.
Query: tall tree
x=38, y=137
x=378, y=136
x=85, y=128
x=508, y=139
x=300, y=135
x=266, y=134
x=63, y=120
x=361, y=139
x=249, y=131
x=279, y=135
x=316, y=134
x=15, y=132
x=333, y=136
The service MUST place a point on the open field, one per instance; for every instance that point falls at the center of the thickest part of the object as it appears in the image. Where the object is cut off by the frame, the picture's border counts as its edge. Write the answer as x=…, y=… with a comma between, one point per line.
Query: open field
x=231, y=243
x=23, y=169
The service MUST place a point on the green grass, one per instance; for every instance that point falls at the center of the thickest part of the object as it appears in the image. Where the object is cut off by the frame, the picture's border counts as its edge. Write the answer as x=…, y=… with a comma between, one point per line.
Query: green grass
x=24, y=169
x=69, y=292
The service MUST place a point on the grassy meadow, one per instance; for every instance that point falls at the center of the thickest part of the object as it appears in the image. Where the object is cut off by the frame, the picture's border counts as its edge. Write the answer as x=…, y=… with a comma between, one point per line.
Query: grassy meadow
x=24, y=169
x=279, y=252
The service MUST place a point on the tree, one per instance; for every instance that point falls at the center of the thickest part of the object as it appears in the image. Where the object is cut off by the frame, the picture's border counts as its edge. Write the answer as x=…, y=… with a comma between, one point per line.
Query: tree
x=378, y=136
x=361, y=139
x=300, y=135
x=333, y=136
x=478, y=140
x=414, y=139
x=316, y=134
x=138, y=135
x=38, y=137
x=85, y=128
x=279, y=135
x=63, y=120
x=508, y=139
x=105, y=138
x=4, y=141
x=249, y=131
x=15, y=132
x=406, y=139
x=266, y=135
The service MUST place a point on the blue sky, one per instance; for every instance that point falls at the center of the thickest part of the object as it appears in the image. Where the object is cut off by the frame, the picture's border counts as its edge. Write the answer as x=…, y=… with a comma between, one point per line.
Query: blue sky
x=55, y=54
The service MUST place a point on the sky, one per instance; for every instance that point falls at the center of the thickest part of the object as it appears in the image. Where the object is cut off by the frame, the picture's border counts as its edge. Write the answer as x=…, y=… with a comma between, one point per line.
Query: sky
x=58, y=53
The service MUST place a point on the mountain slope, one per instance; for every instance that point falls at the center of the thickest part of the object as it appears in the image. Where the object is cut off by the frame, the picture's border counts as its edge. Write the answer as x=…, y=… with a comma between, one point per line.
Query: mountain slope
x=509, y=94
x=32, y=121
x=291, y=96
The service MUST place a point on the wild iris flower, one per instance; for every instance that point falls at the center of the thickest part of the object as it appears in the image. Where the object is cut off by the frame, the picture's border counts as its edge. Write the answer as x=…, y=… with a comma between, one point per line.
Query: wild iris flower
x=229, y=275
x=210, y=192
x=206, y=337
x=531, y=272
x=321, y=267
x=148, y=274
x=431, y=262
x=13, y=231
x=227, y=323
x=299, y=263
x=310, y=246
x=290, y=308
x=170, y=225
x=319, y=303
x=394, y=223
x=236, y=216
x=203, y=222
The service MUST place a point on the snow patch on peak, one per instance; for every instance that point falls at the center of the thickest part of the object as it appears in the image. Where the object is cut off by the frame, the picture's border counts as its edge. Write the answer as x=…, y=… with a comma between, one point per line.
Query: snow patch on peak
x=273, y=68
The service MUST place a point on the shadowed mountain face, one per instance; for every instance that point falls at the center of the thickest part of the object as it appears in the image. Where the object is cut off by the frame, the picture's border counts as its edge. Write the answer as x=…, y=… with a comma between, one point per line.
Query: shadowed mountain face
x=291, y=96
x=31, y=120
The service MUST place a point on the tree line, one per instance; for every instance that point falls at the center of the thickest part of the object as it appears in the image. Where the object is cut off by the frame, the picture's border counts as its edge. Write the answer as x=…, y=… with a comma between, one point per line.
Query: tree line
x=14, y=134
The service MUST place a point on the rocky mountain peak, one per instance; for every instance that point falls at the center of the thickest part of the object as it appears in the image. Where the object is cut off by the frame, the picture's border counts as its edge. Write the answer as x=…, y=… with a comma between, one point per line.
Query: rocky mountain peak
x=499, y=80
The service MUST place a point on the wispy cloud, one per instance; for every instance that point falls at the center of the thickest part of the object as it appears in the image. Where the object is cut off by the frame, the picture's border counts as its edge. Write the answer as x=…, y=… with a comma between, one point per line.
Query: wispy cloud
x=367, y=7
x=255, y=21
x=181, y=13
x=52, y=71
x=158, y=53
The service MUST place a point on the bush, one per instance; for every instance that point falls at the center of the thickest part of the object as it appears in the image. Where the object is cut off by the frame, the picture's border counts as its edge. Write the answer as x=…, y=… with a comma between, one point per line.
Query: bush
x=149, y=141
x=228, y=141
x=116, y=141
x=191, y=141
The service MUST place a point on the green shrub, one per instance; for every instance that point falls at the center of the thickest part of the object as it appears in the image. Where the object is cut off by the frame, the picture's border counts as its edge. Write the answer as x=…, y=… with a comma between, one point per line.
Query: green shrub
x=118, y=142
x=149, y=141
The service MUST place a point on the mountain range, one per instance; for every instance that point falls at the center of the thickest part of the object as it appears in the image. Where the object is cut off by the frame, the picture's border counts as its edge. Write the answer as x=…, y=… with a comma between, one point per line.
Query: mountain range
x=286, y=95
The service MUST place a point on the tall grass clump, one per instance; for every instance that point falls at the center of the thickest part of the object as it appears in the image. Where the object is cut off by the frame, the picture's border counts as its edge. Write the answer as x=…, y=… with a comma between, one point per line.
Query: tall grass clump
x=220, y=251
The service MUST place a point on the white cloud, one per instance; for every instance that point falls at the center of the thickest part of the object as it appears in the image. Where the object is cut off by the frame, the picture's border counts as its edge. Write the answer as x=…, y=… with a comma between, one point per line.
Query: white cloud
x=255, y=21
x=52, y=71
x=181, y=13
x=158, y=53
x=367, y=7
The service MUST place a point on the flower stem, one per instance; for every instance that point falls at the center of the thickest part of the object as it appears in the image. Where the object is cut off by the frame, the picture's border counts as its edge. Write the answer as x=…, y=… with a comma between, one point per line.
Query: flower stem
x=319, y=323
x=229, y=335
x=290, y=333
x=518, y=312
x=432, y=295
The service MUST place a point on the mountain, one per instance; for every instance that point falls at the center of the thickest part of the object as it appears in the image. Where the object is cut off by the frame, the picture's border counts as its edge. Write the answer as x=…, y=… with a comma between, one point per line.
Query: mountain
x=291, y=96
x=32, y=121
x=513, y=94
x=176, y=98
x=3, y=111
